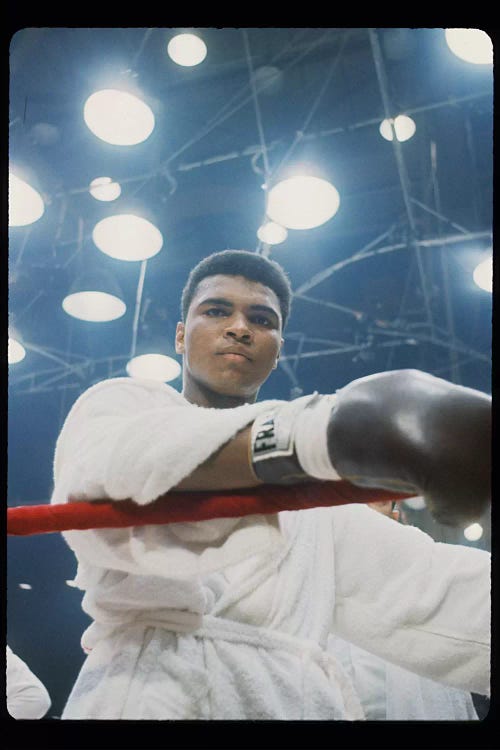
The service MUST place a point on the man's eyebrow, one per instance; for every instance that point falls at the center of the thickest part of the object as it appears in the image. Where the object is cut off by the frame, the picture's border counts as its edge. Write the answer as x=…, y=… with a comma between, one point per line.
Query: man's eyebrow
x=216, y=301
x=265, y=308
x=226, y=303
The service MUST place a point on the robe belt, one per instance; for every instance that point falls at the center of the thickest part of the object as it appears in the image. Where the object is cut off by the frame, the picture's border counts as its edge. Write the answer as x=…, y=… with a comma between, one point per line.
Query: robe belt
x=183, y=622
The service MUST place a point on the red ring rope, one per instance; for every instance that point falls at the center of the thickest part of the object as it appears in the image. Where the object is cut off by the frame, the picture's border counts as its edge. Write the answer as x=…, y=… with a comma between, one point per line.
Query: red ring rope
x=174, y=507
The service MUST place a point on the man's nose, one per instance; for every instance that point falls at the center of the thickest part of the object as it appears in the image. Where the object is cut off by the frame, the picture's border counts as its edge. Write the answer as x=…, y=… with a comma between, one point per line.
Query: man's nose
x=238, y=328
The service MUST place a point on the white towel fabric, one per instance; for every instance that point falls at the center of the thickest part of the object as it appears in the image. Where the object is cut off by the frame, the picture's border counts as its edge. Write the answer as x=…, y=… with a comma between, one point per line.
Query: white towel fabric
x=230, y=618
x=27, y=696
x=390, y=693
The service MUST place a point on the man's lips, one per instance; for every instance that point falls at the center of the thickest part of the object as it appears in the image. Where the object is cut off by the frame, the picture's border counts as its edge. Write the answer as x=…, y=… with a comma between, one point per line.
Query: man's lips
x=234, y=354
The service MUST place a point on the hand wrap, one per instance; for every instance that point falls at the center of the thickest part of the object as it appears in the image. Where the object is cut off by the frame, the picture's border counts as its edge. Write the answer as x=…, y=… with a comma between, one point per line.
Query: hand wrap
x=289, y=443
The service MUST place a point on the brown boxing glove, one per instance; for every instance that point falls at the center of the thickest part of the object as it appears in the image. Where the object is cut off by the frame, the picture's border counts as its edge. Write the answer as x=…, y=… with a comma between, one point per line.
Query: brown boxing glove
x=407, y=430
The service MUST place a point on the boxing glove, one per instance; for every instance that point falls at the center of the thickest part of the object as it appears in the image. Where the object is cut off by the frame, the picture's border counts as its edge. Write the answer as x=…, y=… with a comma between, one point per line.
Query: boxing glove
x=410, y=431
x=403, y=430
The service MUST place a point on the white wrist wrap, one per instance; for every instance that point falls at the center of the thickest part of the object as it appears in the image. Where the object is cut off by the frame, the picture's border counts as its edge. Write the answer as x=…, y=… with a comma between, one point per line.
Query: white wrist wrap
x=289, y=443
x=310, y=437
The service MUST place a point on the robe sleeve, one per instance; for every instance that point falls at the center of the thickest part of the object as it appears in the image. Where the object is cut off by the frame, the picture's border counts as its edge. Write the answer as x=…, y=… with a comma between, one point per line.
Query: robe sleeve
x=127, y=438
x=27, y=696
x=422, y=605
x=137, y=439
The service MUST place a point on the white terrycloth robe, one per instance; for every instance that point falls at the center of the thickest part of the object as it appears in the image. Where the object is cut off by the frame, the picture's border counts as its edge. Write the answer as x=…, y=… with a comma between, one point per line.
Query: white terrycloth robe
x=389, y=693
x=230, y=618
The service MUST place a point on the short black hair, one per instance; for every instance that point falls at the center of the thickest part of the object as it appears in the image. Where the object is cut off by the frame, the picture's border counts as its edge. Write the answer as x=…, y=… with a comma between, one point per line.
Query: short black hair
x=241, y=263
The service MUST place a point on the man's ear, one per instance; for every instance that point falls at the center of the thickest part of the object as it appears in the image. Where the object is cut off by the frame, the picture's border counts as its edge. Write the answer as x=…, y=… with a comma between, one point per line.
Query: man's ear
x=179, y=338
x=278, y=355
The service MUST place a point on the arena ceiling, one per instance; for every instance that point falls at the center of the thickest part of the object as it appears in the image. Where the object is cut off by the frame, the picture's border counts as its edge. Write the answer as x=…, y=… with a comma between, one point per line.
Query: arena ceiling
x=386, y=283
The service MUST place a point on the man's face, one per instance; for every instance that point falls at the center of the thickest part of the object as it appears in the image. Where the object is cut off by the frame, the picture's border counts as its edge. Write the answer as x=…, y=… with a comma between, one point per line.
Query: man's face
x=230, y=339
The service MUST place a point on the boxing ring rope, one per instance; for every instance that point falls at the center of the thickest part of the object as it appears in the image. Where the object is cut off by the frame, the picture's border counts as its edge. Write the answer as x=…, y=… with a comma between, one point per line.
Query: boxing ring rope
x=175, y=507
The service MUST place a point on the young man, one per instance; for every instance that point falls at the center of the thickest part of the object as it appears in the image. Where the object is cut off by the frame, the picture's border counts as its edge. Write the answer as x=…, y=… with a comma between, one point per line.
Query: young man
x=230, y=618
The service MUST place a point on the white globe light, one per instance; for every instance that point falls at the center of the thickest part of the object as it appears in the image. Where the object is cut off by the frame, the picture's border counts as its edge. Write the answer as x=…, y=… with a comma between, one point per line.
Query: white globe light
x=272, y=233
x=415, y=503
x=473, y=532
x=157, y=367
x=187, y=49
x=95, y=307
x=104, y=189
x=472, y=45
x=483, y=275
x=127, y=237
x=302, y=202
x=16, y=351
x=403, y=125
x=25, y=203
x=118, y=117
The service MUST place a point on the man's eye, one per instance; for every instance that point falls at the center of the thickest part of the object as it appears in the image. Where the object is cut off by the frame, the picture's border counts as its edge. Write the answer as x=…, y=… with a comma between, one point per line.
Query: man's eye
x=215, y=312
x=261, y=320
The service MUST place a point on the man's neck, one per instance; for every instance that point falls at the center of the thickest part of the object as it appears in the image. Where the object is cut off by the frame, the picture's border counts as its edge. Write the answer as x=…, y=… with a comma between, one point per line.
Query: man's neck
x=201, y=395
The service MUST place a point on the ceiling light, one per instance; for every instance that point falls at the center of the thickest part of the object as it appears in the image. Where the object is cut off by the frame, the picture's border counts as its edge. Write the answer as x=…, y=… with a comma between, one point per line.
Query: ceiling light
x=15, y=352
x=25, y=203
x=127, y=237
x=271, y=233
x=483, y=274
x=472, y=45
x=95, y=307
x=118, y=117
x=403, y=125
x=104, y=189
x=187, y=49
x=157, y=367
x=473, y=532
x=95, y=297
x=415, y=503
x=268, y=79
x=302, y=202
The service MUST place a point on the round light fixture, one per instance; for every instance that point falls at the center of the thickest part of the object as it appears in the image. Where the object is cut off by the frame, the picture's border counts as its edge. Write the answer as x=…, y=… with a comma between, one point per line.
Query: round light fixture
x=157, y=367
x=473, y=532
x=187, y=49
x=472, y=45
x=483, y=274
x=271, y=233
x=15, y=351
x=95, y=296
x=268, y=79
x=127, y=237
x=403, y=125
x=25, y=203
x=415, y=503
x=93, y=306
x=302, y=202
x=104, y=189
x=118, y=117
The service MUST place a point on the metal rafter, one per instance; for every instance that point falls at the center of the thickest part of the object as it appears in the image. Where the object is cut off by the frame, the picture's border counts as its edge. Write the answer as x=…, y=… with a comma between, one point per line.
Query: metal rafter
x=401, y=166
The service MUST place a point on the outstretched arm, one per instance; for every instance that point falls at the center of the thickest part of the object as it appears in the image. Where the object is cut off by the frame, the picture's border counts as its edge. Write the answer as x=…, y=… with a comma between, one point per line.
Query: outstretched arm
x=403, y=430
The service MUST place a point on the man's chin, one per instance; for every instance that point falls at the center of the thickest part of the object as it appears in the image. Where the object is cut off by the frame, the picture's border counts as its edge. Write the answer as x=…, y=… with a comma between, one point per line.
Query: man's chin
x=233, y=390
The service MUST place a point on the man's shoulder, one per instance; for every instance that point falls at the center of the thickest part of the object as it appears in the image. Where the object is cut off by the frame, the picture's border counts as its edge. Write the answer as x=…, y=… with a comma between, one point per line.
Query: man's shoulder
x=114, y=391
